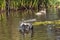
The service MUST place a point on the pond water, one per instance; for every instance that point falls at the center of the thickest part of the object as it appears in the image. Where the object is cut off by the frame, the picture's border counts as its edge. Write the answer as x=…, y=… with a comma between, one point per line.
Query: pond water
x=9, y=26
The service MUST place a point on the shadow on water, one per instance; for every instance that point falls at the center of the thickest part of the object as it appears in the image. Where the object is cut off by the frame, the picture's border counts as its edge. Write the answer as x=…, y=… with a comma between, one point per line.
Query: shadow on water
x=9, y=27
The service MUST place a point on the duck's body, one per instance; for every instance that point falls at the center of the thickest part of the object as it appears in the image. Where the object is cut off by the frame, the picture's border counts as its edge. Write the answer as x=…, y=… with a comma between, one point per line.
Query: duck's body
x=41, y=15
x=26, y=28
x=42, y=12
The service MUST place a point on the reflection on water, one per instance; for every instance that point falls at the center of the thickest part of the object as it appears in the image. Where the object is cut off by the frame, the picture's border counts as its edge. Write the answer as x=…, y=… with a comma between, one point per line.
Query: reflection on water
x=50, y=31
x=9, y=27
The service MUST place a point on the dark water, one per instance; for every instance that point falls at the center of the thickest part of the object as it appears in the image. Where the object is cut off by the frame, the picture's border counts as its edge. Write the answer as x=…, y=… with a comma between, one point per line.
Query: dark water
x=9, y=26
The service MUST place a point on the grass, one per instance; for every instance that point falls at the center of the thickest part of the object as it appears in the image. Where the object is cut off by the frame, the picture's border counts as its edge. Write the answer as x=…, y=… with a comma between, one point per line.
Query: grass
x=47, y=22
x=19, y=3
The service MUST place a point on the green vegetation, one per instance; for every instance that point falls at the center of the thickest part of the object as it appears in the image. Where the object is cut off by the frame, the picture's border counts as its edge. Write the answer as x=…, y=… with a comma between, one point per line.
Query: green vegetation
x=28, y=3
x=9, y=24
x=51, y=6
x=57, y=22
